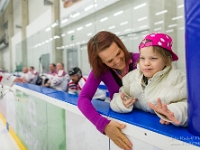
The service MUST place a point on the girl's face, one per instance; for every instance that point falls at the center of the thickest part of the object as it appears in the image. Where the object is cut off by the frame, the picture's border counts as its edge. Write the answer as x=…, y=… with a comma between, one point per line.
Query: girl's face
x=150, y=62
x=113, y=57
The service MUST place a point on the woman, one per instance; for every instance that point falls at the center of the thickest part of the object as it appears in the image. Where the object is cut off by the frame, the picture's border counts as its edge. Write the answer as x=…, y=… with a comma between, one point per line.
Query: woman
x=110, y=61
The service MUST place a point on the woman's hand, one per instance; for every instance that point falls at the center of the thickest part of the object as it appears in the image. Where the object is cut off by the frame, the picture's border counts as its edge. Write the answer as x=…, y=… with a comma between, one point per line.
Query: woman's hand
x=113, y=131
x=127, y=101
x=163, y=110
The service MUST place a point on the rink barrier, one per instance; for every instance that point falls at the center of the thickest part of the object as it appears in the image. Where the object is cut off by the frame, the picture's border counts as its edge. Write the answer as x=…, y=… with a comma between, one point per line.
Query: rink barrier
x=65, y=128
x=137, y=117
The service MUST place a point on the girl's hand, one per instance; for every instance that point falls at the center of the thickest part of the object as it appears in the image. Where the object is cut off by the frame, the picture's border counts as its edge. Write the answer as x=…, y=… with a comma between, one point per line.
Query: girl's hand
x=113, y=131
x=127, y=101
x=162, y=111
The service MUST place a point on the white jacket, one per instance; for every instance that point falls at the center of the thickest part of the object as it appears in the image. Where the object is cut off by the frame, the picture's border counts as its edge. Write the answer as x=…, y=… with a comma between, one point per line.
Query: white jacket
x=6, y=79
x=60, y=81
x=30, y=77
x=169, y=85
x=76, y=89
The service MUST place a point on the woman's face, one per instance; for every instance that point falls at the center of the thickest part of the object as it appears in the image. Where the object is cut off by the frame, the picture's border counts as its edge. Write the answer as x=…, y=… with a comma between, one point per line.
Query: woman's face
x=113, y=57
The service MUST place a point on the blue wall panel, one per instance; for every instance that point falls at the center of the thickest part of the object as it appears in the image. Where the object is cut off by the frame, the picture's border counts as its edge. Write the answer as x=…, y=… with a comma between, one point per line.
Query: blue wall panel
x=192, y=24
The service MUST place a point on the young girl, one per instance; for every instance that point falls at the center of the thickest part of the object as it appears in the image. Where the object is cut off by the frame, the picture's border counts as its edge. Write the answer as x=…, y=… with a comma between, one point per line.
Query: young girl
x=155, y=86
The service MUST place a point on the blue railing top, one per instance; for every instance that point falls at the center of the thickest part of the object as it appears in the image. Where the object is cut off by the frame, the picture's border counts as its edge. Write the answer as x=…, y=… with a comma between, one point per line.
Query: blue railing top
x=136, y=117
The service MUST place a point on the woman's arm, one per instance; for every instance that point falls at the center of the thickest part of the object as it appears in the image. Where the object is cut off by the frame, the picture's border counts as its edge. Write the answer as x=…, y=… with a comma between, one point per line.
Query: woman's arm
x=85, y=105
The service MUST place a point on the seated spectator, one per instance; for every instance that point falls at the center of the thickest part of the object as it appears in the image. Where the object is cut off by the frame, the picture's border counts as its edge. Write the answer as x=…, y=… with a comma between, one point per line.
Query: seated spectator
x=60, y=80
x=49, y=75
x=33, y=75
x=30, y=76
x=8, y=79
x=52, y=69
x=78, y=81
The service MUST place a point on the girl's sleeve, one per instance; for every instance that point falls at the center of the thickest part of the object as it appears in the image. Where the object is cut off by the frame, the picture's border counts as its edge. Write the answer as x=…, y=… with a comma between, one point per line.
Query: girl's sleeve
x=178, y=91
x=180, y=112
x=116, y=103
x=85, y=105
x=7, y=79
x=180, y=106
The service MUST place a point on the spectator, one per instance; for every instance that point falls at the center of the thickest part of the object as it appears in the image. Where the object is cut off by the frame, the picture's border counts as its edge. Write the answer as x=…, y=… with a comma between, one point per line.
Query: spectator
x=60, y=80
x=30, y=76
x=50, y=75
x=8, y=80
x=78, y=81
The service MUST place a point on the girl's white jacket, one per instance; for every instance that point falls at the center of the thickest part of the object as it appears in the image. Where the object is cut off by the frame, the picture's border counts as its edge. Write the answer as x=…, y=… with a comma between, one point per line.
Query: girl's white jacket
x=169, y=85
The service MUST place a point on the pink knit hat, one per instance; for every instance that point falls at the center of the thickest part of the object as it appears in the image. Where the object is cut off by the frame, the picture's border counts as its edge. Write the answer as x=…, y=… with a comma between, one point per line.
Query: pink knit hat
x=159, y=39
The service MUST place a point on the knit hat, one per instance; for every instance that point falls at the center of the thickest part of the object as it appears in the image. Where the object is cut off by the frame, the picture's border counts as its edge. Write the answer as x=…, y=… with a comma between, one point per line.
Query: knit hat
x=159, y=39
x=75, y=70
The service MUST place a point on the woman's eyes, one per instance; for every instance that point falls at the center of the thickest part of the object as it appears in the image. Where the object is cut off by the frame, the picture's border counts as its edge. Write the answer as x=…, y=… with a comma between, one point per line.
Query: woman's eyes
x=118, y=53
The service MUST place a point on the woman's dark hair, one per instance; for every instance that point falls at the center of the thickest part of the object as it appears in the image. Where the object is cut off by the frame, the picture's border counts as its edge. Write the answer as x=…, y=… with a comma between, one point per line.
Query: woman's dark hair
x=101, y=41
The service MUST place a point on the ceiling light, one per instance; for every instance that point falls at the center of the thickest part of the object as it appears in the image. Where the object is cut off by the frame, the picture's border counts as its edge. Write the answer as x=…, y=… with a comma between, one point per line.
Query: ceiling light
x=169, y=31
x=139, y=6
x=181, y=28
x=111, y=27
x=79, y=28
x=75, y=15
x=88, y=8
x=53, y=25
x=143, y=18
x=65, y=20
x=172, y=25
x=118, y=13
x=178, y=17
x=72, y=31
x=48, y=29
x=159, y=22
x=89, y=24
x=63, y=35
x=180, y=6
x=123, y=23
x=104, y=19
x=161, y=12
x=89, y=34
